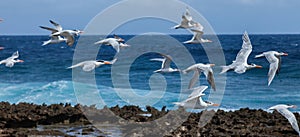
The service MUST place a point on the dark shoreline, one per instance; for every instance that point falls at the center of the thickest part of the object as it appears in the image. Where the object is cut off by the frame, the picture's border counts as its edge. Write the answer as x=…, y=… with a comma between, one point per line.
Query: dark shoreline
x=27, y=119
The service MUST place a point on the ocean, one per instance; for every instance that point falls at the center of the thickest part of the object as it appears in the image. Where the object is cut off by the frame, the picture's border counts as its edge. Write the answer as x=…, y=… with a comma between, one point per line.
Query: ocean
x=43, y=77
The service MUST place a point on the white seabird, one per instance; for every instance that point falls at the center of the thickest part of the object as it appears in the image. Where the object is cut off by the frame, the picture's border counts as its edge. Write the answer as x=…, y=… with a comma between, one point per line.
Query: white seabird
x=198, y=68
x=165, y=66
x=283, y=110
x=240, y=65
x=10, y=61
x=92, y=64
x=274, y=59
x=195, y=100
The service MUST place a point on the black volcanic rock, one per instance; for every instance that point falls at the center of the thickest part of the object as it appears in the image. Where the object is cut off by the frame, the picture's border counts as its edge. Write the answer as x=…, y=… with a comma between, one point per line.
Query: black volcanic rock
x=22, y=119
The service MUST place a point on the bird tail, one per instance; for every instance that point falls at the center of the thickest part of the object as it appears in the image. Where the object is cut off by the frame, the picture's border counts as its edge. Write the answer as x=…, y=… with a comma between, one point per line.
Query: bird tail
x=45, y=43
x=177, y=103
x=258, y=56
x=74, y=66
x=224, y=69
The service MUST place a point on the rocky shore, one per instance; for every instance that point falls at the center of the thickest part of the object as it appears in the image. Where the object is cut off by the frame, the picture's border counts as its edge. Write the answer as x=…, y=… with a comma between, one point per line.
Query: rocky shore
x=25, y=119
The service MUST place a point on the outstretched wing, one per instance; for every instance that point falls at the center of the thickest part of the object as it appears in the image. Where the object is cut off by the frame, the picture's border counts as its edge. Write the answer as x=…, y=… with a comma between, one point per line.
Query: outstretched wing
x=70, y=38
x=244, y=53
x=57, y=26
x=194, y=79
x=15, y=55
x=290, y=116
x=50, y=29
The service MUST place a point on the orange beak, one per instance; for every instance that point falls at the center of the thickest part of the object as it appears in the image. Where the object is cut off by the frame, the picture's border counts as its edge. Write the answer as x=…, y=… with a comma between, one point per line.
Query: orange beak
x=212, y=65
x=21, y=61
x=258, y=66
x=106, y=62
x=215, y=105
x=285, y=54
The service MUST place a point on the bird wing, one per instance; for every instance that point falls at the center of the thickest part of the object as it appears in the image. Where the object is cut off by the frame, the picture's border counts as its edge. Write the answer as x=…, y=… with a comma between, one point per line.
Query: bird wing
x=210, y=78
x=50, y=29
x=70, y=38
x=197, y=92
x=104, y=41
x=89, y=66
x=187, y=15
x=14, y=55
x=272, y=71
x=9, y=63
x=167, y=61
x=115, y=44
x=290, y=116
x=198, y=27
x=194, y=79
x=190, y=68
x=278, y=64
x=57, y=26
x=197, y=35
x=244, y=53
x=184, y=21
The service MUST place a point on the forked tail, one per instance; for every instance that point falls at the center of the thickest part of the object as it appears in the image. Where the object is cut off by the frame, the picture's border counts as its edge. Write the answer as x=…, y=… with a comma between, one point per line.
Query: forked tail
x=224, y=69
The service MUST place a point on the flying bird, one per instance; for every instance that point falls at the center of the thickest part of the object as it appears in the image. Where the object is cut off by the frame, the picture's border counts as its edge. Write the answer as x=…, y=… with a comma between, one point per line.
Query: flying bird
x=92, y=64
x=69, y=35
x=240, y=65
x=186, y=21
x=53, y=39
x=283, y=110
x=274, y=59
x=10, y=61
x=195, y=100
x=165, y=66
x=114, y=42
x=198, y=68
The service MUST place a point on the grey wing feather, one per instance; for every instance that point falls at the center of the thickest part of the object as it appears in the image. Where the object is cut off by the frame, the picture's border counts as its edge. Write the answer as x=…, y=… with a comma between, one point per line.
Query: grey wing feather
x=279, y=64
x=58, y=27
x=198, y=91
x=291, y=118
x=167, y=61
x=211, y=80
x=115, y=45
x=194, y=79
x=272, y=71
x=70, y=38
x=50, y=29
x=88, y=67
x=15, y=55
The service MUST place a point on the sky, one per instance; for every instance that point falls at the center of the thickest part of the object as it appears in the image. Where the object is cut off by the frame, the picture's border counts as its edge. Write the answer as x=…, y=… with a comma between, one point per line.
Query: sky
x=22, y=17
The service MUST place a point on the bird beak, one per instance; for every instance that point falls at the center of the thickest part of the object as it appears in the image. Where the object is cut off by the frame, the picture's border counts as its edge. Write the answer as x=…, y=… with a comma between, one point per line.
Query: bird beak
x=211, y=65
x=81, y=32
x=1, y=48
x=258, y=66
x=209, y=41
x=215, y=105
x=285, y=54
x=121, y=40
x=106, y=62
x=294, y=106
x=21, y=61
